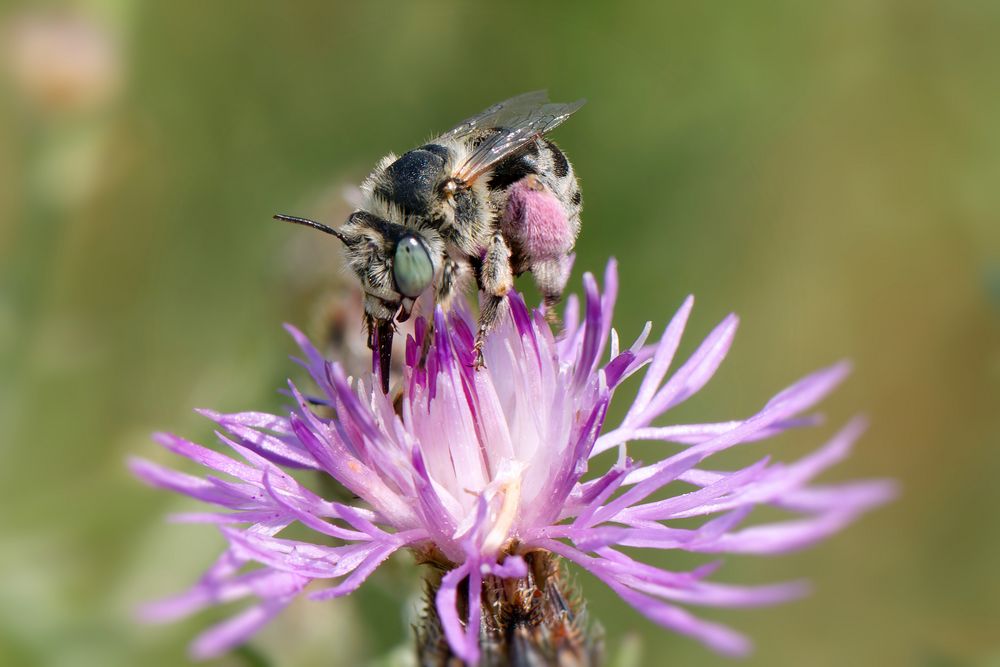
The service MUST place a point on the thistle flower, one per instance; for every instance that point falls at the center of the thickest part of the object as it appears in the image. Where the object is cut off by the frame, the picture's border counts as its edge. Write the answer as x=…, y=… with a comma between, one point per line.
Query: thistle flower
x=479, y=473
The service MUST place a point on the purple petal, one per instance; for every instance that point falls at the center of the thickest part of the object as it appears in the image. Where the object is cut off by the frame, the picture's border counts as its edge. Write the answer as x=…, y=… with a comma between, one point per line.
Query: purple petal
x=314, y=357
x=608, y=303
x=254, y=420
x=690, y=587
x=285, y=451
x=617, y=368
x=435, y=516
x=662, y=358
x=860, y=495
x=678, y=505
x=779, y=538
x=783, y=480
x=695, y=372
x=586, y=493
x=206, y=457
x=716, y=637
x=569, y=339
x=797, y=398
x=356, y=412
x=722, y=595
x=302, y=558
x=649, y=536
x=225, y=518
x=513, y=567
x=520, y=315
x=263, y=583
x=312, y=521
x=693, y=434
x=360, y=574
x=352, y=473
x=605, y=487
x=471, y=652
x=593, y=325
x=573, y=465
x=237, y=630
x=195, y=487
x=446, y=602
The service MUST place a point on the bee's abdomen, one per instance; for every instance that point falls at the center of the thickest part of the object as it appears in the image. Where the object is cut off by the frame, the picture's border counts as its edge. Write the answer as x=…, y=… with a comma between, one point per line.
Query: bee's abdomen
x=510, y=171
x=409, y=182
x=541, y=211
x=560, y=165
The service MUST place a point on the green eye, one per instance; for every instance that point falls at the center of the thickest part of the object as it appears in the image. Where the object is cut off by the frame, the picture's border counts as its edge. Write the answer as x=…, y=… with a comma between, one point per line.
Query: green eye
x=412, y=267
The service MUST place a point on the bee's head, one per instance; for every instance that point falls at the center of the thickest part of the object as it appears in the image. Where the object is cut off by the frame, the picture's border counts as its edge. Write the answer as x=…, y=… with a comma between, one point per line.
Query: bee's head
x=394, y=265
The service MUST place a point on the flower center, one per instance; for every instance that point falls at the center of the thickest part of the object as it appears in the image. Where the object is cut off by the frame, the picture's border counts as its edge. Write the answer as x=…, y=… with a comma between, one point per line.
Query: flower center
x=504, y=519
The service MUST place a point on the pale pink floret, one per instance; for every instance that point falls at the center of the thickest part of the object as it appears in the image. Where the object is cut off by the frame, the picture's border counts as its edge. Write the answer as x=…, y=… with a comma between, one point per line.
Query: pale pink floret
x=482, y=466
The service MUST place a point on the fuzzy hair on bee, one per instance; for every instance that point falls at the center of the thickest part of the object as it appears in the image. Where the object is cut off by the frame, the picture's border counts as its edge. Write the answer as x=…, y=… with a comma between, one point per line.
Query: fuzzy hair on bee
x=416, y=189
x=486, y=201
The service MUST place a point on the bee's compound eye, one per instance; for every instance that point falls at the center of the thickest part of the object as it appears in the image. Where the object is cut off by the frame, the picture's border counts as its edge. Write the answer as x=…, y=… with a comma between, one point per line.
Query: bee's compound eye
x=412, y=267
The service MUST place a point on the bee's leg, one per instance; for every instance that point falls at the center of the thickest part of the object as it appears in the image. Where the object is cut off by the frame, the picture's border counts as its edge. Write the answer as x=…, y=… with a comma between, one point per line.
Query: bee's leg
x=492, y=310
x=495, y=280
x=451, y=276
x=551, y=276
x=448, y=287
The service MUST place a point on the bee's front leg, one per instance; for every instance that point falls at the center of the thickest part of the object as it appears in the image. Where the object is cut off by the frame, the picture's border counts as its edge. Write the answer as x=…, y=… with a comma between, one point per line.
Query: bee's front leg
x=495, y=280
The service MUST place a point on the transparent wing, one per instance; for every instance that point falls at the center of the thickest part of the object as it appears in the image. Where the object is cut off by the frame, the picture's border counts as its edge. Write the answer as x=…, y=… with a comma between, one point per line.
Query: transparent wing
x=500, y=114
x=506, y=127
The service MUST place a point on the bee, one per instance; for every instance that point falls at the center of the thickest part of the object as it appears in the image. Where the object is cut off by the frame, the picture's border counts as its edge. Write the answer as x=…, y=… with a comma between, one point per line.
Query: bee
x=488, y=200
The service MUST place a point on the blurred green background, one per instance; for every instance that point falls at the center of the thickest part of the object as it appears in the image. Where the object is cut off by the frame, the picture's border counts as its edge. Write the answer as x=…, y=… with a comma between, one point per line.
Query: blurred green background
x=830, y=171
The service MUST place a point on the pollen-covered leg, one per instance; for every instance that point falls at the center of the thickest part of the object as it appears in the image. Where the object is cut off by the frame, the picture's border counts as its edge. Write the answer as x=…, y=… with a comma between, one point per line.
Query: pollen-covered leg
x=490, y=313
x=551, y=276
x=495, y=280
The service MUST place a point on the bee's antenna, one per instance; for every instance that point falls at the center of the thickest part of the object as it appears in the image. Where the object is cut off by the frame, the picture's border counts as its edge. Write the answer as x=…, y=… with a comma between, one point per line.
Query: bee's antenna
x=312, y=223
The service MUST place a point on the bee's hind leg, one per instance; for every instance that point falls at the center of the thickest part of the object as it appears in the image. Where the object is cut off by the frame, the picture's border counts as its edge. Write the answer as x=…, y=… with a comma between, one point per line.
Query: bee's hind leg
x=495, y=280
x=489, y=314
x=551, y=276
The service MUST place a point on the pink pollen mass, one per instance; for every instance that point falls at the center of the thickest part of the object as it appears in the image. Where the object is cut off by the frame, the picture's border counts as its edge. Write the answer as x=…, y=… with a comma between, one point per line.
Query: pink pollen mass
x=536, y=220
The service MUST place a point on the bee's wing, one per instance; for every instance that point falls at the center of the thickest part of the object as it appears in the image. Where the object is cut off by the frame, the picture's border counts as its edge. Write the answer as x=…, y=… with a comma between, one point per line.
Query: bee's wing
x=515, y=123
x=499, y=114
